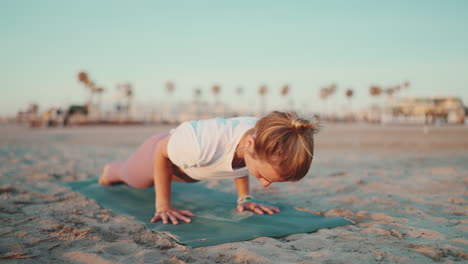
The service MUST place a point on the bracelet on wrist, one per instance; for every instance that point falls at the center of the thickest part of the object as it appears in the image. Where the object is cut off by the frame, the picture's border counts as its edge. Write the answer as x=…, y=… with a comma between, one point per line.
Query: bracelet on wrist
x=244, y=199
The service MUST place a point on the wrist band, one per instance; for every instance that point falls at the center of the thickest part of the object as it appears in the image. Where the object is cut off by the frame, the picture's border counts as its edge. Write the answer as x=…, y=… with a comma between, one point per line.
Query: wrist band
x=244, y=199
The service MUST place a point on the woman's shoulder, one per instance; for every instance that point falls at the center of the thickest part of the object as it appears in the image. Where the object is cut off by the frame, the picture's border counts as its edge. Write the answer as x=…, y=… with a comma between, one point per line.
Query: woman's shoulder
x=245, y=119
x=214, y=124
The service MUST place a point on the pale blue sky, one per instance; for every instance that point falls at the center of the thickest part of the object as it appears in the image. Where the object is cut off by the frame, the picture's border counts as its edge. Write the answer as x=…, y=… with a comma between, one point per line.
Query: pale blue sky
x=307, y=44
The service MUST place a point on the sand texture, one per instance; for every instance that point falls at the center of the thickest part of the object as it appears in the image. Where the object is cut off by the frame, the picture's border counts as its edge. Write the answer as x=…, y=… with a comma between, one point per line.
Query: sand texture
x=405, y=188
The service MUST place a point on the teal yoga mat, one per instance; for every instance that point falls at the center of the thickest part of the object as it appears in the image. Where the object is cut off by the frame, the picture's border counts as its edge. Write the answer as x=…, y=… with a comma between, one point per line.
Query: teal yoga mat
x=217, y=220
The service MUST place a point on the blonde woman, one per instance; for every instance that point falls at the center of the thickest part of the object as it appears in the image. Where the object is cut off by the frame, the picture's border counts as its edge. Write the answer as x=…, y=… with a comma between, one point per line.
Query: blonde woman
x=276, y=148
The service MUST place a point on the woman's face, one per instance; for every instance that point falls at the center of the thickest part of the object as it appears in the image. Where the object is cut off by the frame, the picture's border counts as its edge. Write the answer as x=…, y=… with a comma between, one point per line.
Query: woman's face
x=262, y=170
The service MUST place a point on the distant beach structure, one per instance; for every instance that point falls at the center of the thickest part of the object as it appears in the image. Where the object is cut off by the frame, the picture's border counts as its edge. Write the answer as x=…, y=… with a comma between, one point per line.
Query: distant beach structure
x=262, y=91
x=422, y=110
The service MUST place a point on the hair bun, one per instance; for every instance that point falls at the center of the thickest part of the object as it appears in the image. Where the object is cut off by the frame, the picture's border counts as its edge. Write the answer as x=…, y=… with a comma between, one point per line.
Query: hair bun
x=301, y=125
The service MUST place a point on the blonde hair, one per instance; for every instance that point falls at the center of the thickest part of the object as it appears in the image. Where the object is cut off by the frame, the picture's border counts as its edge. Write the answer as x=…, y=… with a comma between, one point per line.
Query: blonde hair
x=286, y=140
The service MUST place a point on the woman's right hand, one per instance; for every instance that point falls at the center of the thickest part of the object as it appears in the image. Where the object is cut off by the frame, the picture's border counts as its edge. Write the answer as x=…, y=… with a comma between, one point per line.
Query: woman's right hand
x=172, y=214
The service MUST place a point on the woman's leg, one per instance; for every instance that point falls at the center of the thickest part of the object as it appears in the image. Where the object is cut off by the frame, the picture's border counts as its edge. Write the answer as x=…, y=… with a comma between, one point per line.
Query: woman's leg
x=137, y=170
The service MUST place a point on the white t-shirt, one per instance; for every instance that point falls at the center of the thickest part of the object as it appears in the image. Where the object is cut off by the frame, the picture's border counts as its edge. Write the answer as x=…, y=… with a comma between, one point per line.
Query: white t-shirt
x=204, y=149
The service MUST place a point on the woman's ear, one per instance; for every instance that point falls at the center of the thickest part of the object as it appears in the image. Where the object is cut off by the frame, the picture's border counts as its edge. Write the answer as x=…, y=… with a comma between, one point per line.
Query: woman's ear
x=250, y=144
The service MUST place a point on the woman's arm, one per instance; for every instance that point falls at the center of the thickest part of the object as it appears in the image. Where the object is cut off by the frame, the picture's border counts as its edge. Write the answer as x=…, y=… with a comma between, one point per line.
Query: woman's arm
x=162, y=185
x=162, y=175
x=242, y=185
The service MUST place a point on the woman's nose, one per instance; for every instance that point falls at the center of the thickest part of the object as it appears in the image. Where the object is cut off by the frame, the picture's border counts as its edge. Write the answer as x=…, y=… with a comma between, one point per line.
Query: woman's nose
x=266, y=184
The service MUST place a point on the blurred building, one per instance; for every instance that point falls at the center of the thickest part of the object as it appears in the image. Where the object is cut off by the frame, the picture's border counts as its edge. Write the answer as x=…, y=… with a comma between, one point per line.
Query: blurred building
x=420, y=110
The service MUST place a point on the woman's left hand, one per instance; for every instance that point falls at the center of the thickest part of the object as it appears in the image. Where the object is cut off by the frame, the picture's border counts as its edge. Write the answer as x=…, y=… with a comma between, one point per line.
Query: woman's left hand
x=257, y=208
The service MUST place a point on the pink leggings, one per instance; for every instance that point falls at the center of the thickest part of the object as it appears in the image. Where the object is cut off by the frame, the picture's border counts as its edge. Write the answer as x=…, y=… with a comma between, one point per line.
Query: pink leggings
x=136, y=171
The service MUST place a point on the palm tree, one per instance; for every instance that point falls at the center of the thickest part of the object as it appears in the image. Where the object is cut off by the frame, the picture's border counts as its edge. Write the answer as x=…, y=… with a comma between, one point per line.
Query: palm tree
x=198, y=94
x=170, y=87
x=332, y=89
x=262, y=91
x=397, y=88
x=349, y=94
x=93, y=89
x=216, y=89
x=84, y=79
x=129, y=95
x=32, y=113
x=284, y=93
x=99, y=91
x=325, y=93
x=406, y=85
x=239, y=92
x=375, y=91
x=126, y=89
x=323, y=96
x=389, y=92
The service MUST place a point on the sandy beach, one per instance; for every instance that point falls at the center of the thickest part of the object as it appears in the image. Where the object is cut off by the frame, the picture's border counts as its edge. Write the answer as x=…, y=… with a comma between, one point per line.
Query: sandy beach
x=404, y=187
